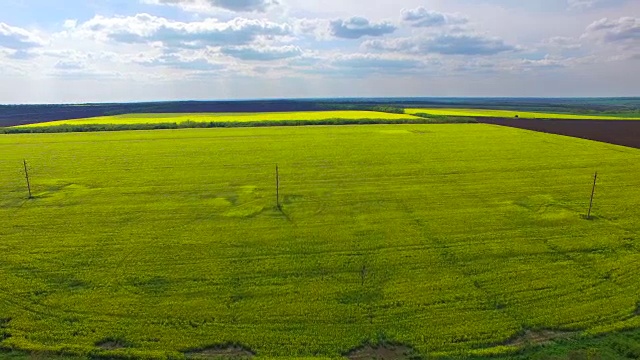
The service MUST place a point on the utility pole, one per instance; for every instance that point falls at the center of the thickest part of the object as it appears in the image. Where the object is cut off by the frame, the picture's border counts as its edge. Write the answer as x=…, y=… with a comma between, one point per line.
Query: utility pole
x=363, y=274
x=26, y=174
x=278, y=189
x=593, y=192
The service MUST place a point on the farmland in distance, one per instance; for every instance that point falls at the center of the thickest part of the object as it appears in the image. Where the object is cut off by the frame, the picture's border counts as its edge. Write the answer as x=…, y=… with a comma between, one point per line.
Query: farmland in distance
x=515, y=113
x=129, y=119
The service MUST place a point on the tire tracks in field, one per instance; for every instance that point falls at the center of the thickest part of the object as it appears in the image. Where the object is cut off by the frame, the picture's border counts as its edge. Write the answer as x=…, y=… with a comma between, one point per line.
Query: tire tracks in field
x=8, y=296
x=597, y=279
x=451, y=261
x=586, y=266
x=54, y=311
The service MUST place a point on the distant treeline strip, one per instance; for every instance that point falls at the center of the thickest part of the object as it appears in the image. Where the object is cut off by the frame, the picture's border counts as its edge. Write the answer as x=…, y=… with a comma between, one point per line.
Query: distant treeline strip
x=364, y=107
x=229, y=124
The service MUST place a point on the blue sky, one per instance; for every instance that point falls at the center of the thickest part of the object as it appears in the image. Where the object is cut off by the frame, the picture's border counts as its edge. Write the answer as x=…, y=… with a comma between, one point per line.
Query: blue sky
x=139, y=50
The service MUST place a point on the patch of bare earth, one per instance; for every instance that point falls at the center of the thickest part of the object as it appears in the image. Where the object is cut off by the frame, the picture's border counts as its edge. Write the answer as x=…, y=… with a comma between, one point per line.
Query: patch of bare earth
x=540, y=337
x=221, y=352
x=618, y=132
x=111, y=345
x=383, y=352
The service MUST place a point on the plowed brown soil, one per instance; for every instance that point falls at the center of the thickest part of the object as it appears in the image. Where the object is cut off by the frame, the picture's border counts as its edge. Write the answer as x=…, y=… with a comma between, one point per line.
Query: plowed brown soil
x=618, y=132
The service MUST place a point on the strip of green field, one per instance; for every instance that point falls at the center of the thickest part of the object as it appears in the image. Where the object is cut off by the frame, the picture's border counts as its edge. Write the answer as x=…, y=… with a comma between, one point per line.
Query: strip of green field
x=226, y=117
x=511, y=114
x=151, y=243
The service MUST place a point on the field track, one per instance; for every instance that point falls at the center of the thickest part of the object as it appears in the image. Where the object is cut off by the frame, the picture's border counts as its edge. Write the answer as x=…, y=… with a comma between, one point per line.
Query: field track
x=625, y=133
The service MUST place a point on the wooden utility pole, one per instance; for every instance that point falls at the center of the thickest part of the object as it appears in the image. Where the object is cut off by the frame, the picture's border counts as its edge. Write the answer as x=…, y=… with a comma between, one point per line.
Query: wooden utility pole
x=26, y=175
x=363, y=274
x=277, y=188
x=593, y=192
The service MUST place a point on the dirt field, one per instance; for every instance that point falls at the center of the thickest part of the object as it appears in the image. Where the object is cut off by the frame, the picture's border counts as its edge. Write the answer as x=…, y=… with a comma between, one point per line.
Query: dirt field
x=624, y=132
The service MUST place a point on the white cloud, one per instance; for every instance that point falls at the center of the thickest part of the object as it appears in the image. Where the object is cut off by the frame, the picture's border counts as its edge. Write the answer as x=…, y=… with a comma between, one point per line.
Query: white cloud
x=208, y=5
x=262, y=53
x=374, y=61
x=257, y=41
x=562, y=43
x=443, y=44
x=70, y=23
x=357, y=65
x=548, y=62
x=581, y=4
x=69, y=65
x=149, y=29
x=421, y=17
x=591, y=4
x=16, y=38
x=21, y=55
x=357, y=27
x=320, y=29
x=622, y=30
x=179, y=61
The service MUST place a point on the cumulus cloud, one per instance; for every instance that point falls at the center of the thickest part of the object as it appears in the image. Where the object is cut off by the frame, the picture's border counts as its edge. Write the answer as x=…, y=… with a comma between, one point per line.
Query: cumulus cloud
x=262, y=53
x=461, y=44
x=625, y=29
x=443, y=44
x=16, y=38
x=320, y=29
x=372, y=61
x=548, y=62
x=145, y=28
x=69, y=65
x=421, y=17
x=581, y=4
x=70, y=23
x=179, y=61
x=475, y=65
x=22, y=55
x=356, y=65
x=591, y=4
x=231, y=5
x=562, y=43
x=358, y=27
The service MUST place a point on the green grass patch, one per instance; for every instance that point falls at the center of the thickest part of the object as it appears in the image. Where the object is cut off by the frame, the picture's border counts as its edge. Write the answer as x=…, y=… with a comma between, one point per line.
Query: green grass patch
x=512, y=114
x=151, y=244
